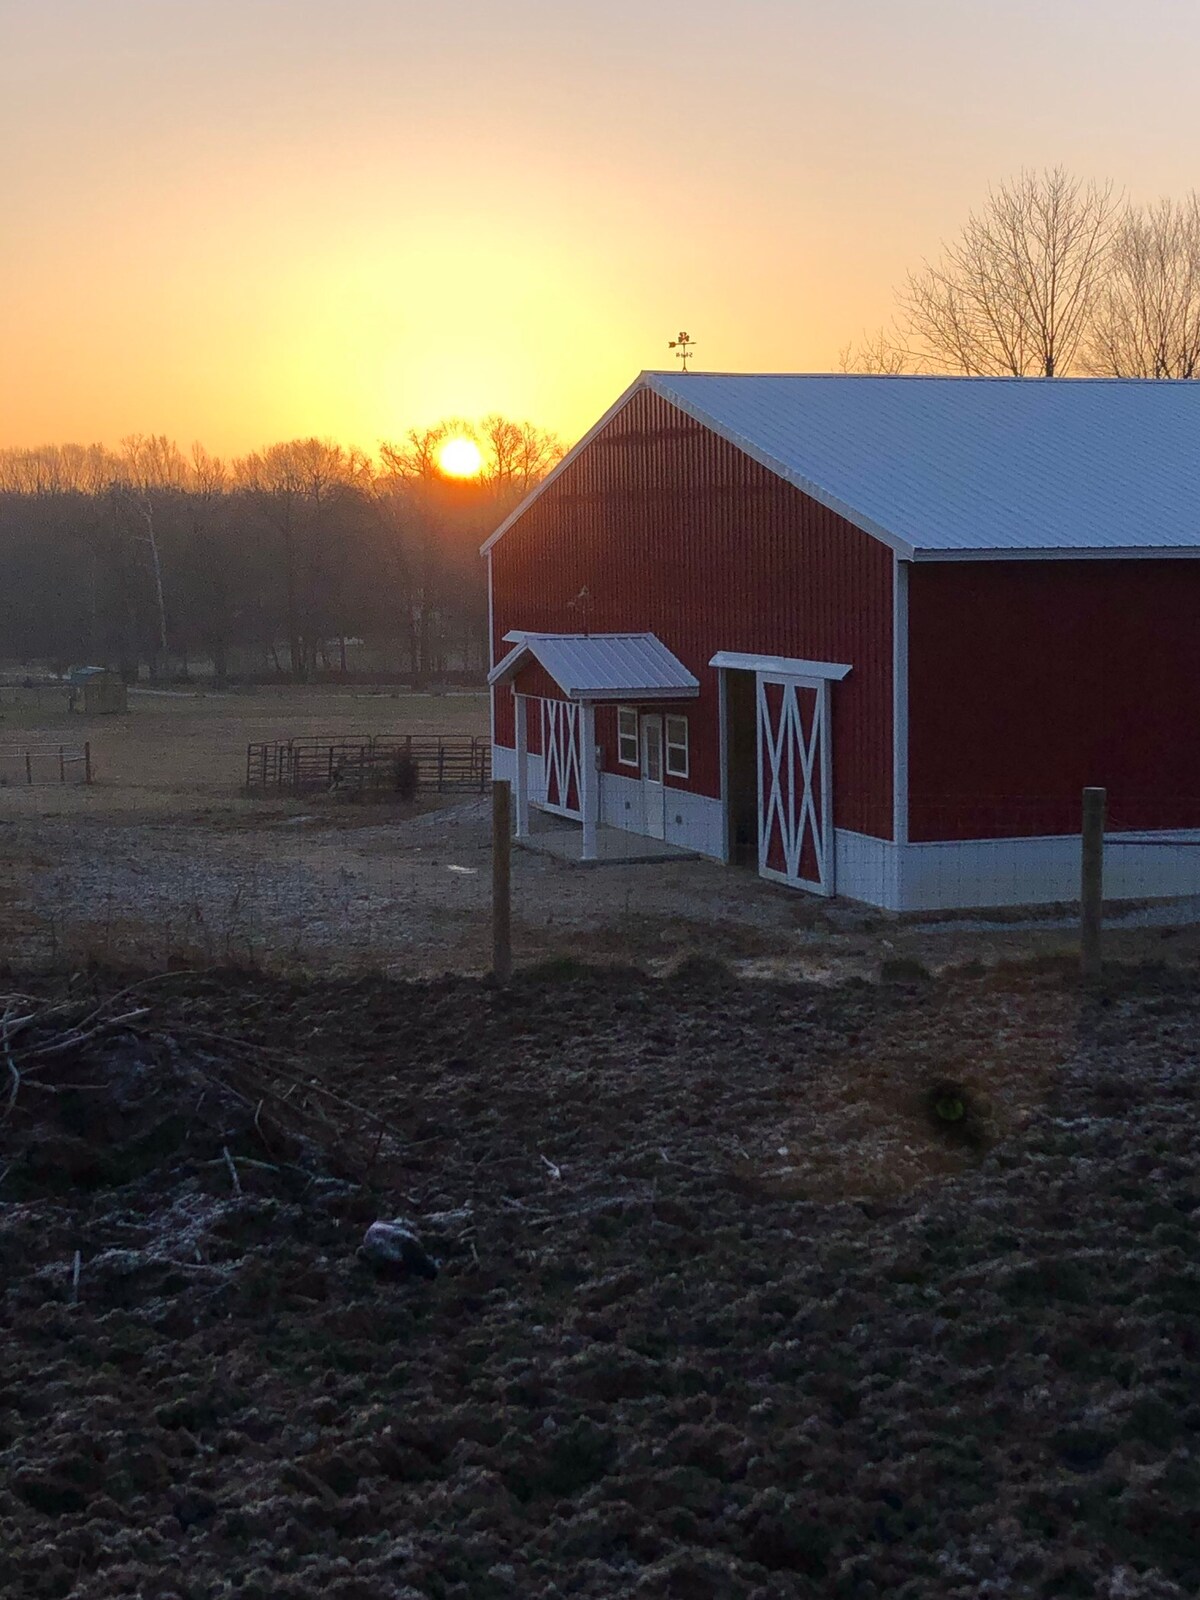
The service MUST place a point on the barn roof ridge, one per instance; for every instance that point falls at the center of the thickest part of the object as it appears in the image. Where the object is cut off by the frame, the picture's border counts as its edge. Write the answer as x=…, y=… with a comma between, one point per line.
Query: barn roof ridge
x=915, y=377
x=1073, y=468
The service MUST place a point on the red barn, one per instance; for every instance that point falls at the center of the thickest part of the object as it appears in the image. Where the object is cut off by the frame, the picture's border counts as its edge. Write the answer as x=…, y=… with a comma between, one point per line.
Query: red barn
x=870, y=635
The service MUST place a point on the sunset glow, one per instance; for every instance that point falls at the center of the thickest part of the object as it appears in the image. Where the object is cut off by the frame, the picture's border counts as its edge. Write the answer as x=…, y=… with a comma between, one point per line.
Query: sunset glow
x=460, y=458
x=182, y=154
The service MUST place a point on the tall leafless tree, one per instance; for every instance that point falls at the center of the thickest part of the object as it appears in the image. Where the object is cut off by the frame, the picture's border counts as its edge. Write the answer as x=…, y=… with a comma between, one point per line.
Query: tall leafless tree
x=516, y=455
x=302, y=489
x=149, y=465
x=1015, y=292
x=881, y=354
x=1147, y=320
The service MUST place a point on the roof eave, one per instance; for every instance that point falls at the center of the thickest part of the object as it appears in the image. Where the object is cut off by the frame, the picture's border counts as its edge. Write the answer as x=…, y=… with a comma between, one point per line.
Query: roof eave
x=506, y=667
x=1062, y=553
x=634, y=692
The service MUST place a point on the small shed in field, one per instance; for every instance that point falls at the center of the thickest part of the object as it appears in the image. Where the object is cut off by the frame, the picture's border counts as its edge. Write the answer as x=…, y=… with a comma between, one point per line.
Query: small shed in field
x=869, y=635
x=97, y=690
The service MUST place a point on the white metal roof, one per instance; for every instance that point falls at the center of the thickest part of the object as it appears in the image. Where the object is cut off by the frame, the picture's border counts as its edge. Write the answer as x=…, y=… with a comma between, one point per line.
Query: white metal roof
x=601, y=666
x=945, y=468
x=786, y=666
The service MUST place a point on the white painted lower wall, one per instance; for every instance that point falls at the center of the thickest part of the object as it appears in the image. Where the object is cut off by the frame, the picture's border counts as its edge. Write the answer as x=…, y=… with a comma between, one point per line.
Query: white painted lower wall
x=504, y=765
x=1020, y=872
x=921, y=877
x=691, y=821
x=866, y=869
x=1012, y=872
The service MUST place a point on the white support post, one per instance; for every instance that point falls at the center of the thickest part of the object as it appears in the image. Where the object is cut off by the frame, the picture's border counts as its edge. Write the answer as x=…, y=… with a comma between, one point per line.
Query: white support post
x=521, y=784
x=589, y=780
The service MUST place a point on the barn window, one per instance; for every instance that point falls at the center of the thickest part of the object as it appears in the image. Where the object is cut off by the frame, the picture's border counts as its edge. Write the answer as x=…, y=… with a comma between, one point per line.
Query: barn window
x=627, y=736
x=677, y=747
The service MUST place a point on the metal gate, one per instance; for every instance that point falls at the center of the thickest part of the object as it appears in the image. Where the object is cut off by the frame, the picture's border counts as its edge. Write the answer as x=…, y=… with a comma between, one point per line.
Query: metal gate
x=795, y=793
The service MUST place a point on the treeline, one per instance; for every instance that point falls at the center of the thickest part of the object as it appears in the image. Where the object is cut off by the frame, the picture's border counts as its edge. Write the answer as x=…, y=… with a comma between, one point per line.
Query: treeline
x=1052, y=276
x=296, y=559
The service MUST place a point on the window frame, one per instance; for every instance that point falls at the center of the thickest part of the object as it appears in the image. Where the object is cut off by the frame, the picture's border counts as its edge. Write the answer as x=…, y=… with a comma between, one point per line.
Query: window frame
x=683, y=744
x=622, y=759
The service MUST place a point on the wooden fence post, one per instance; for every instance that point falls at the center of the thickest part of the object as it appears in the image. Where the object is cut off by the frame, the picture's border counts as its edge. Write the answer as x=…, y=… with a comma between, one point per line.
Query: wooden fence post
x=1091, y=885
x=87, y=761
x=28, y=767
x=501, y=881
x=62, y=765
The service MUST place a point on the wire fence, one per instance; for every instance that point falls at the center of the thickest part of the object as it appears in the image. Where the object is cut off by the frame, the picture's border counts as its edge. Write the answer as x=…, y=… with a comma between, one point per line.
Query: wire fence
x=408, y=887
x=44, y=763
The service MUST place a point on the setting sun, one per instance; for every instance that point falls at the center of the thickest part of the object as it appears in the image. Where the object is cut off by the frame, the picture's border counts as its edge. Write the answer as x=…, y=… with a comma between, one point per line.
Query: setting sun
x=460, y=458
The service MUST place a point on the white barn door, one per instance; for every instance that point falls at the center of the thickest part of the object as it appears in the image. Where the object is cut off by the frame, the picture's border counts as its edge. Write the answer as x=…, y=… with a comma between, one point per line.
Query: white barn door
x=795, y=782
x=561, y=750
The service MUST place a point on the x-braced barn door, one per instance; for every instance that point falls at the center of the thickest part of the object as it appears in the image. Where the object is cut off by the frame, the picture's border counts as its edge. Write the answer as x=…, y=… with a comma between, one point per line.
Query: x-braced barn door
x=561, y=751
x=795, y=795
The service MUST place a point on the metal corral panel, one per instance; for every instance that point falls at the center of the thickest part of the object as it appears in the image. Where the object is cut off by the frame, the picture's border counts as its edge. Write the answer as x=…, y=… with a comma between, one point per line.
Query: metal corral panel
x=675, y=531
x=1028, y=681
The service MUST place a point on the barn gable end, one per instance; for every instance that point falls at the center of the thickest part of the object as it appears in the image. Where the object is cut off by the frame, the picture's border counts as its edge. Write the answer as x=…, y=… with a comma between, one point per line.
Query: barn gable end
x=673, y=530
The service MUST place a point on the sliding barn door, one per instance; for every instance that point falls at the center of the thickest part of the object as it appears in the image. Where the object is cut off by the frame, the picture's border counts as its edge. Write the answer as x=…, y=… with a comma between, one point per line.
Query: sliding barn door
x=795, y=794
x=561, y=727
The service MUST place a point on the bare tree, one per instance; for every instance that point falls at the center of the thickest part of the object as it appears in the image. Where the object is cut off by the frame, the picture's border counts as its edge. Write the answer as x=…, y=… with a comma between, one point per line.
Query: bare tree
x=306, y=490
x=57, y=469
x=1147, y=320
x=517, y=455
x=414, y=459
x=149, y=464
x=1015, y=293
x=407, y=493
x=881, y=354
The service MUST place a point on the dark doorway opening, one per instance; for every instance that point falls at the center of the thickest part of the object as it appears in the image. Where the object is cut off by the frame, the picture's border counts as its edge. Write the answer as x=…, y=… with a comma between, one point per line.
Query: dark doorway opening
x=741, y=769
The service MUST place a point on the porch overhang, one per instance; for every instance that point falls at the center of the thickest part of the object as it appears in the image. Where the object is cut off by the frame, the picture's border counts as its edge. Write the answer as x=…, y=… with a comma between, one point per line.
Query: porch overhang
x=785, y=666
x=600, y=666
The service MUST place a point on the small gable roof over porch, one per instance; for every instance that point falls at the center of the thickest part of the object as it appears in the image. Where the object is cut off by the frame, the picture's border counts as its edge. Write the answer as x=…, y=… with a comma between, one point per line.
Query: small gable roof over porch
x=600, y=666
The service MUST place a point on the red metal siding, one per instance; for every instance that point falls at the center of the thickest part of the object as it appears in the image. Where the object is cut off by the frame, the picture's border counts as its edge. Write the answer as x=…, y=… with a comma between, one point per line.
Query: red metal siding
x=533, y=679
x=1030, y=679
x=673, y=530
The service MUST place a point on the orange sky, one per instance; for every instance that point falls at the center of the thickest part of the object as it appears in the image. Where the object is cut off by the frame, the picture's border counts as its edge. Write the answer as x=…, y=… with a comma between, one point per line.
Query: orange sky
x=242, y=220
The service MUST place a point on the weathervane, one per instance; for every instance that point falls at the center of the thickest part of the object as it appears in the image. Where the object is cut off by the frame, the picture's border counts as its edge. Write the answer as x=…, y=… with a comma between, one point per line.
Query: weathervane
x=583, y=604
x=683, y=347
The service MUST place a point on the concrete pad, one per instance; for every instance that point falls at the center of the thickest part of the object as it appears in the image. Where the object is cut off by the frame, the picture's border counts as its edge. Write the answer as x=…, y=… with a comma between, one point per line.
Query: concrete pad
x=563, y=839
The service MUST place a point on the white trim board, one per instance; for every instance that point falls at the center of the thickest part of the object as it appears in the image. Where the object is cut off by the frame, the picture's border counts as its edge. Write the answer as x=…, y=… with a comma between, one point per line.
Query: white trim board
x=787, y=666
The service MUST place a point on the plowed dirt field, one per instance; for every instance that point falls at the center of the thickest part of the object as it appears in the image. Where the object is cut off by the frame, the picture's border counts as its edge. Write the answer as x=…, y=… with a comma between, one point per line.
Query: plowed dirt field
x=724, y=1309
